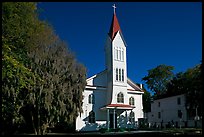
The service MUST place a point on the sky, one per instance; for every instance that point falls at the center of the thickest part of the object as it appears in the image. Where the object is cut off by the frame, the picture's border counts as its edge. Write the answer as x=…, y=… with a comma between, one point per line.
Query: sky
x=156, y=33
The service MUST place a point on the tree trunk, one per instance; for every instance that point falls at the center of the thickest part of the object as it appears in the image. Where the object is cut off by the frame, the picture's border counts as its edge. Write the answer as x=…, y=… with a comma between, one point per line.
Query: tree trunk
x=33, y=124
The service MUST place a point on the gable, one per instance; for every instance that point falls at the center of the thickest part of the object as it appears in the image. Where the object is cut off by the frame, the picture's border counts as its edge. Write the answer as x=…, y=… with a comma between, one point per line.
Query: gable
x=132, y=86
x=98, y=80
x=119, y=40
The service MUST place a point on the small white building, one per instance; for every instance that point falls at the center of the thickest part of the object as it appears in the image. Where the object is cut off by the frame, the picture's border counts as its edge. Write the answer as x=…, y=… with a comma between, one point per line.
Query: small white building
x=171, y=111
x=111, y=99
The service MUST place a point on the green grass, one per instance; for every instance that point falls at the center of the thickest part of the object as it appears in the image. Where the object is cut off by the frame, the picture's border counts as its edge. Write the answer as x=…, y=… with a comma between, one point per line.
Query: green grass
x=103, y=130
x=183, y=131
x=173, y=131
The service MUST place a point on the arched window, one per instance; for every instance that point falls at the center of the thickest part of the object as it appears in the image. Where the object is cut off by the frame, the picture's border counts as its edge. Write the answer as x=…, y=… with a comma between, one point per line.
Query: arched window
x=131, y=101
x=132, y=117
x=91, y=99
x=91, y=117
x=120, y=98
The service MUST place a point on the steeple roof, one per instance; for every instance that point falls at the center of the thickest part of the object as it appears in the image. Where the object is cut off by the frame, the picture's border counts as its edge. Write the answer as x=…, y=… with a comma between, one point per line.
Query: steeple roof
x=115, y=27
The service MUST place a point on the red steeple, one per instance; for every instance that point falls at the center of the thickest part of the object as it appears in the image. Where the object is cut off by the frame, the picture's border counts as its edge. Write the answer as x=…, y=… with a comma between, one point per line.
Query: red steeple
x=115, y=27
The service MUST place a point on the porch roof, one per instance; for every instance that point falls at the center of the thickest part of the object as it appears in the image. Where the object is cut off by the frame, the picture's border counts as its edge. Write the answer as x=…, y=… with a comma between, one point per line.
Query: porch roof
x=117, y=106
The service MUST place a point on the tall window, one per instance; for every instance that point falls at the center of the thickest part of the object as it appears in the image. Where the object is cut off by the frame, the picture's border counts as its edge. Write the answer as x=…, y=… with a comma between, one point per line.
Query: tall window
x=132, y=117
x=178, y=100
x=116, y=74
x=122, y=74
x=119, y=74
x=179, y=113
x=122, y=52
x=91, y=99
x=91, y=117
x=131, y=101
x=120, y=98
x=159, y=114
x=117, y=53
x=114, y=53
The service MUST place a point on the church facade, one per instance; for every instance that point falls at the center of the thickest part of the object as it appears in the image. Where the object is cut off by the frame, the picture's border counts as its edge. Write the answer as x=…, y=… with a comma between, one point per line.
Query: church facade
x=111, y=99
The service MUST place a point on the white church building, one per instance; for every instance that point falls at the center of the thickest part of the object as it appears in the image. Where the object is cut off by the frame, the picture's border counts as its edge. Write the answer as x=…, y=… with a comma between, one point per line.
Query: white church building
x=111, y=99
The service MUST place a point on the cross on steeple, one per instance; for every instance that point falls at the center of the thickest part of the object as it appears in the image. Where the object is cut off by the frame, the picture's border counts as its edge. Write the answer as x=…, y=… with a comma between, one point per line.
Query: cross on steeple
x=114, y=7
x=115, y=27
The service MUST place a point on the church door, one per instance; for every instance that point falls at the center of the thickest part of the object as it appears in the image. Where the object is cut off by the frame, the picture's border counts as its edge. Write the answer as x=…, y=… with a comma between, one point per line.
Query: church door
x=111, y=120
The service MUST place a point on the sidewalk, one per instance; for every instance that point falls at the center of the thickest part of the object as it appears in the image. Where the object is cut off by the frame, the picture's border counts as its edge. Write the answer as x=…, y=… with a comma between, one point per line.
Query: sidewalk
x=167, y=132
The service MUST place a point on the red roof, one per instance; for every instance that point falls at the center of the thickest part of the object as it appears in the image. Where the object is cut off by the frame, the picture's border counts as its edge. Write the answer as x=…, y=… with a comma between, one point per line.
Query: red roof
x=96, y=86
x=114, y=28
x=119, y=105
x=131, y=89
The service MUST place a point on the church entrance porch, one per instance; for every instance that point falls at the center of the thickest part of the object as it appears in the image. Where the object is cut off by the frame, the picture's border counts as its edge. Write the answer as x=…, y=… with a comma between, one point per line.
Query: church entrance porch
x=117, y=115
x=111, y=116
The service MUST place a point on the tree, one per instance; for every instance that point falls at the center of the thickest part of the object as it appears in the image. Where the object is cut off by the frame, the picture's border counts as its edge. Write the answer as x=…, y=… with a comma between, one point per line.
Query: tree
x=146, y=99
x=158, y=78
x=17, y=25
x=190, y=84
x=176, y=85
x=161, y=79
x=60, y=95
x=42, y=83
x=193, y=87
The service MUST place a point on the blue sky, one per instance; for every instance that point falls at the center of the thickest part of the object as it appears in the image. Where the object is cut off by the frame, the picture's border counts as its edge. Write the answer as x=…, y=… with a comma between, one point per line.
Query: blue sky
x=155, y=32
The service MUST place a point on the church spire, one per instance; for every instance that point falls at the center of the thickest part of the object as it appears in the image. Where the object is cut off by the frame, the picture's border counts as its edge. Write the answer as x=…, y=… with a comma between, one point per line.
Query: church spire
x=115, y=27
x=114, y=7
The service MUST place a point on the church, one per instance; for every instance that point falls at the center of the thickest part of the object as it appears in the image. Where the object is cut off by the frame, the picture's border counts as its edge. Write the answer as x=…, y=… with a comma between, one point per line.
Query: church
x=111, y=99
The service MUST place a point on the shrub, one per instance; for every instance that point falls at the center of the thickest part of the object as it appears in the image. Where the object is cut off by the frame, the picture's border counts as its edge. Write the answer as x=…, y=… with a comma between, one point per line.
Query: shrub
x=103, y=130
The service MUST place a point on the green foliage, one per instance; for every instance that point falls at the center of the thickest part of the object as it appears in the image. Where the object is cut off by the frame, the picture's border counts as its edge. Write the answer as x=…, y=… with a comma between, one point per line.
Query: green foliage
x=16, y=76
x=158, y=78
x=162, y=81
x=42, y=83
x=103, y=130
x=189, y=83
x=64, y=78
x=146, y=99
